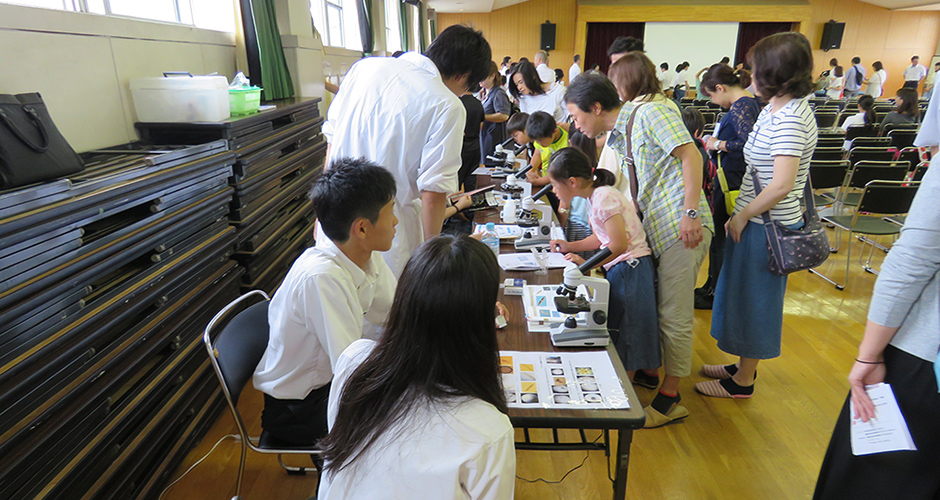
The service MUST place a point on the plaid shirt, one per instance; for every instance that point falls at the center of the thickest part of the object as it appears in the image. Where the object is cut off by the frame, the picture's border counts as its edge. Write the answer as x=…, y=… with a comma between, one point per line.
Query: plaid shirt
x=658, y=129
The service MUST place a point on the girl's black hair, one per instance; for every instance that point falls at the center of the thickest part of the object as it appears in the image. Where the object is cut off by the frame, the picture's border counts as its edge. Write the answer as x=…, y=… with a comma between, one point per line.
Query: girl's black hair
x=722, y=74
x=867, y=104
x=571, y=162
x=908, y=106
x=529, y=76
x=439, y=344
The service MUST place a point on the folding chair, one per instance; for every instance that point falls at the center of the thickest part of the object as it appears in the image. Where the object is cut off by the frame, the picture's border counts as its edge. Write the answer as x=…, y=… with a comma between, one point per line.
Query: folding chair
x=235, y=353
x=901, y=138
x=844, y=115
x=872, y=142
x=878, y=197
x=828, y=154
x=863, y=172
x=857, y=154
x=709, y=117
x=861, y=131
x=827, y=175
x=918, y=172
x=829, y=142
x=825, y=119
x=912, y=155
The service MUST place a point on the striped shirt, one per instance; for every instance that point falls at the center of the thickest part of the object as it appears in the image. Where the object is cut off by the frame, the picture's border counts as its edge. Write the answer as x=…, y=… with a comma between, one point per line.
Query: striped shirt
x=658, y=129
x=790, y=131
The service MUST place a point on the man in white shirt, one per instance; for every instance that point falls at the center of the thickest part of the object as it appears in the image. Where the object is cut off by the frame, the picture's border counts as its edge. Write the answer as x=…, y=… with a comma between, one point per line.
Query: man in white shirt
x=405, y=114
x=666, y=79
x=914, y=73
x=575, y=69
x=329, y=291
x=546, y=74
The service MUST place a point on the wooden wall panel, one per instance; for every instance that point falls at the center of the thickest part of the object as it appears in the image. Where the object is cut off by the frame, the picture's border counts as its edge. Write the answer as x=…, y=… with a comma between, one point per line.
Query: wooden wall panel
x=871, y=32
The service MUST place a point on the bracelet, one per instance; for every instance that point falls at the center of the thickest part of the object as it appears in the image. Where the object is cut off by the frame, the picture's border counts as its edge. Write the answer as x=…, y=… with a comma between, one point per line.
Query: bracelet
x=870, y=362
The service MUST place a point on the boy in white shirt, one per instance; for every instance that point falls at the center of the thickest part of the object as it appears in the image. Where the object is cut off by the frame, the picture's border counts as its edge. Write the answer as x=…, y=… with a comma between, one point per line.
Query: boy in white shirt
x=330, y=290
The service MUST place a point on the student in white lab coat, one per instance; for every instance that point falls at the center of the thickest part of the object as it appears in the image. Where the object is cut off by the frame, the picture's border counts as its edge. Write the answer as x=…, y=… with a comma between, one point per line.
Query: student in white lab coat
x=404, y=114
x=421, y=413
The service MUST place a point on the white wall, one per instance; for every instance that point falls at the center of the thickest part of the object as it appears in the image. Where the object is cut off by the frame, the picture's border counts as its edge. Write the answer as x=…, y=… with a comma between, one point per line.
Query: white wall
x=701, y=44
x=82, y=63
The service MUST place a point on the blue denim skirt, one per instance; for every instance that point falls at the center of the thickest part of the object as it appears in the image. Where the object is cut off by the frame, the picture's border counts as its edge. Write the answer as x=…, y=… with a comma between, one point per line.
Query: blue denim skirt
x=633, y=323
x=747, y=314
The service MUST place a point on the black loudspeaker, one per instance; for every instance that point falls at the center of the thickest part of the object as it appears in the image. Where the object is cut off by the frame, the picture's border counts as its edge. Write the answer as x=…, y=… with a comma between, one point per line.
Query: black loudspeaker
x=548, y=36
x=832, y=35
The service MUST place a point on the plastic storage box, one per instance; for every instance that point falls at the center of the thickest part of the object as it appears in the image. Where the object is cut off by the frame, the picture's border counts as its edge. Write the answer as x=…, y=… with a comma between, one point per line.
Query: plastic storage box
x=244, y=101
x=183, y=98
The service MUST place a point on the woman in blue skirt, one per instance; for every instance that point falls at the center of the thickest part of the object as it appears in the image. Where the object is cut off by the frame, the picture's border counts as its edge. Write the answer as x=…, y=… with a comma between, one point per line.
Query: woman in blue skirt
x=747, y=316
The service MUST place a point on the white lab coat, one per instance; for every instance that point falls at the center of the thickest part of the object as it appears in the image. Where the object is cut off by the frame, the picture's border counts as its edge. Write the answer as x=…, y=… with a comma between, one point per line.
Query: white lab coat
x=398, y=114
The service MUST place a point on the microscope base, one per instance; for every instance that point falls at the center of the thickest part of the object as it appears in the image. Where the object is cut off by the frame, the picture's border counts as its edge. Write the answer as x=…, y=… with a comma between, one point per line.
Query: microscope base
x=580, y=338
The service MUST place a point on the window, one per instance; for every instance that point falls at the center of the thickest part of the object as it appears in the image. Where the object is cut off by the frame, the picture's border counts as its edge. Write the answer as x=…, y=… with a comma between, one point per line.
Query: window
x=392, y=26
x=218, y=15
x=338, y=23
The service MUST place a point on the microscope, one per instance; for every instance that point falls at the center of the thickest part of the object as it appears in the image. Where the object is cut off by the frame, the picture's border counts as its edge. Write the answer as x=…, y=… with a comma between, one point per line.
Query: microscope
x=516, y=186
x=593, y=330
x=536, y=231
x=504, y=158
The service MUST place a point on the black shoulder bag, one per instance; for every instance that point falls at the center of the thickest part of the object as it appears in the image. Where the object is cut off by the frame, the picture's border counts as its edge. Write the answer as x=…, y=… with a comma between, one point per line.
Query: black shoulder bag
x=31, y=147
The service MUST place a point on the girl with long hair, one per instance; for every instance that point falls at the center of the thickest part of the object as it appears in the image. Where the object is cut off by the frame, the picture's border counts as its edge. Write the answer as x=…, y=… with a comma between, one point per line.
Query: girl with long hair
x=421, y=413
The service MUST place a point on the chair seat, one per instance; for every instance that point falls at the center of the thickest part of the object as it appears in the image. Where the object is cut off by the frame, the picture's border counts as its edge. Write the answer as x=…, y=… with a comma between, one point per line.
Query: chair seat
x=865, y=224
x=268, y=441
x=896, y=219
x=823, y=199
x=851, y=199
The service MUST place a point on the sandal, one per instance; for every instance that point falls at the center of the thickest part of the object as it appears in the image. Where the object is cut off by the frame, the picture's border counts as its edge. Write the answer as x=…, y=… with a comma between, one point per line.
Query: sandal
x=725, y=388
x=720, y=372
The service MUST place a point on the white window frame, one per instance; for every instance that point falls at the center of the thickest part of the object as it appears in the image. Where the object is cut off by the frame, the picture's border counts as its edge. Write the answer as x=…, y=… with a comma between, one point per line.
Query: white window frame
x=183, y=13
x=392, y=26
x=348, y=36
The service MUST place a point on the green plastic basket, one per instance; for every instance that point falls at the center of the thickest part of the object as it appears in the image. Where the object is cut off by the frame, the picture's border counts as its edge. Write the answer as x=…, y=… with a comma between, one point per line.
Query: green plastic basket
x=244, y=101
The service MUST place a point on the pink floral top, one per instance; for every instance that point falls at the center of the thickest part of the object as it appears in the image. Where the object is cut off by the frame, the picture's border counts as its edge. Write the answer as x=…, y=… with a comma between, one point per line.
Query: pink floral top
x=607, y=202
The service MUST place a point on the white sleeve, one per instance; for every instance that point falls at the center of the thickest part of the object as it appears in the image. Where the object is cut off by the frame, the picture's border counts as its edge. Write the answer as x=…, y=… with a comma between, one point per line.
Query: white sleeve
x=385, y=285
x=346, y=364
x=331, y=309
x=440, y=156
x=492, y=475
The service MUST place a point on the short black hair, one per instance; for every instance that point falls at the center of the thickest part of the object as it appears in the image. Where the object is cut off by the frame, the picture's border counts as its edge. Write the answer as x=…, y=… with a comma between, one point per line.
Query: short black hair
x=460, y=50
x=506, y=59
x=577, y=57
x=623, y=44
x=856, y=60
x=540, y=125
x=397, y=53
x=725, y=60
x=517, y=122
x=351, y=188
x=559, y=74
x=694, y=121
x=592, y=87
x=664, y=66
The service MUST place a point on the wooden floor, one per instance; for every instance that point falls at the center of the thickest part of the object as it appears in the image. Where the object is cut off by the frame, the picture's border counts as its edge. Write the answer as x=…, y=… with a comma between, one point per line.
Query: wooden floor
x=768, y=447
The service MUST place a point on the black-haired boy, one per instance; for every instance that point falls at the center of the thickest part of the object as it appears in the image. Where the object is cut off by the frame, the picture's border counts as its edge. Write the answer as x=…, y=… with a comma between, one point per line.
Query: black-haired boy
x=548, y=137
x=330, y=290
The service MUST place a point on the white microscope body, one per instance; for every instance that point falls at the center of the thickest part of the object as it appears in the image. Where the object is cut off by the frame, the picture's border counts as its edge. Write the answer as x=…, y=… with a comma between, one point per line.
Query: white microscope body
x=591, y=331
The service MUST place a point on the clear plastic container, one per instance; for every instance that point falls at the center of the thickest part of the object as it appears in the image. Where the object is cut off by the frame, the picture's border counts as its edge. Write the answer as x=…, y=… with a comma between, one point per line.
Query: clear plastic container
x=183, y=98
x=490, y=238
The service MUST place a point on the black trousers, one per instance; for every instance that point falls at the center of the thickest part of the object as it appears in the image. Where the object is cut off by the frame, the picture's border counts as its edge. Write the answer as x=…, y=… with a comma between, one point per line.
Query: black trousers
x=911, y=475
x=911, y=84
x=300, y=422
x=716, y=252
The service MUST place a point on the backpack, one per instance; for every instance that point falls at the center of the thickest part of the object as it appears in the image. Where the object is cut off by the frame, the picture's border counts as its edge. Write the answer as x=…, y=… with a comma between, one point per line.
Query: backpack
x=859, y=77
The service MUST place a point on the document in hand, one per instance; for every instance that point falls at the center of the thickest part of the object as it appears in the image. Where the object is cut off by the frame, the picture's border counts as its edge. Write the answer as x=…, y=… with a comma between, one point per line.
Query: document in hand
x=887, y=431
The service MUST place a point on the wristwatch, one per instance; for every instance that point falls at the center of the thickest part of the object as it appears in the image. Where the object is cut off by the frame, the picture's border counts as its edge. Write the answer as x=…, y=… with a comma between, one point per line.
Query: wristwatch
x=691, y=213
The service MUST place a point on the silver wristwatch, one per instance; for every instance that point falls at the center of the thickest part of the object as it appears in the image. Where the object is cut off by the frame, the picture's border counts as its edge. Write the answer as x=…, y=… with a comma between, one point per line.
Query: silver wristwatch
x=691, y=213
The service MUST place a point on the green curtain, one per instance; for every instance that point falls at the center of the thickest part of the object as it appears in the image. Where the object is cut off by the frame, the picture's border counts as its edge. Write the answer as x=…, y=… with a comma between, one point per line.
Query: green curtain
x=366, y=34
x=423, y=26
x=403, y=24
x=275, y=77
x=433, y=29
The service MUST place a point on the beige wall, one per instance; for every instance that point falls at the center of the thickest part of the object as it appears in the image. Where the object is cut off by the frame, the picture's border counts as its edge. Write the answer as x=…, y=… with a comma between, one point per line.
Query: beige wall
x=872, y=33
x=82, y=64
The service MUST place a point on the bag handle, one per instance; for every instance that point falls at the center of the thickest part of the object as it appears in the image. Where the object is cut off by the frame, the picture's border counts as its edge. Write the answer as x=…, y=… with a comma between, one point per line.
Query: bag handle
x=33, y=115
x=807, y=196
x=631, y=167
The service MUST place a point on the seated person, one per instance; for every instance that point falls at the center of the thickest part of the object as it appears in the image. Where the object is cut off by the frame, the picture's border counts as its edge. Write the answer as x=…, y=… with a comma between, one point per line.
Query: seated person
x=421, y=414
x=905, y=111
x=866, y=117
x=329, y=291
x=548, y=137
x=515, y=127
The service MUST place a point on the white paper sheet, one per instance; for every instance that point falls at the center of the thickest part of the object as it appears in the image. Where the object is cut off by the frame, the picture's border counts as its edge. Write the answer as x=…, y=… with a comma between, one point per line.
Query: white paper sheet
x=573, y=380
x=887, y=431
x=527, y=261
x=504, y=231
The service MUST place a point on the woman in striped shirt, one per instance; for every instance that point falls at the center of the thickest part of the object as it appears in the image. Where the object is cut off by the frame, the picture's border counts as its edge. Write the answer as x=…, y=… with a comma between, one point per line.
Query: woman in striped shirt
x=747, y=317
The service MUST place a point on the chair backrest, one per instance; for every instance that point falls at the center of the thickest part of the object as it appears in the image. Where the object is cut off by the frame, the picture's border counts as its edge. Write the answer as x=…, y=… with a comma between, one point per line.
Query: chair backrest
x=902, y=138
x=871, y=142
x=828, y=174
x=828, y=154
x=864, y=172
x=887, y=197
x=709, y=116
x=842, y=117
x=919, y=171
x=861, y=131
x=858, y=154
x=829, y=142
x=825, y=120
x=883, y=109
x=910, y=155
x=240, y=343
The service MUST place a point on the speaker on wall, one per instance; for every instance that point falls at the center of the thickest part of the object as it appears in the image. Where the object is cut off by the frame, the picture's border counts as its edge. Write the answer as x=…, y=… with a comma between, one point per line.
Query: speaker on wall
x=548, y=36
x=832, y=35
